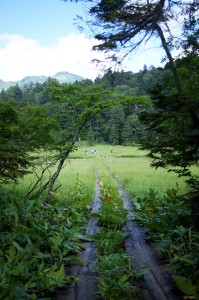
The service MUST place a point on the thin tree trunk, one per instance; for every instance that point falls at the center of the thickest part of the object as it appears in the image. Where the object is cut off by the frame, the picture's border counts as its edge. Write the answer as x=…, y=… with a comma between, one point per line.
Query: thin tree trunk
x=57, y=172
x=172, y=63
x=191, y=105
x=53, y=179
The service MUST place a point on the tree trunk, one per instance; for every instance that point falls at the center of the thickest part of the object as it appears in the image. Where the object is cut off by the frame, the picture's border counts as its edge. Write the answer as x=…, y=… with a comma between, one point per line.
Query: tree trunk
x=170, y=58
x=191, y=105
x=57, y=172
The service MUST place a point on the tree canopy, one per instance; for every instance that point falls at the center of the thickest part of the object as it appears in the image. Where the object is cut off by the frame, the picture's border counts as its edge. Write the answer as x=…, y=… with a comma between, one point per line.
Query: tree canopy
x=123, y=25
x=21, y=132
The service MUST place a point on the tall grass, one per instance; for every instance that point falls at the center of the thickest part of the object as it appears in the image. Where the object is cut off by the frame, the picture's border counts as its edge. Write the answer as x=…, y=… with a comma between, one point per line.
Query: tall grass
x=78, y=170
x=138, y=177
x=108, y=151
x=129, y=164
x=77, y=183
x=74, y=172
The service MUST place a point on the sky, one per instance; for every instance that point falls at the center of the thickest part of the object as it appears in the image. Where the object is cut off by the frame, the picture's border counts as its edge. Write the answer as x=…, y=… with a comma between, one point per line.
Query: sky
x=40, y=37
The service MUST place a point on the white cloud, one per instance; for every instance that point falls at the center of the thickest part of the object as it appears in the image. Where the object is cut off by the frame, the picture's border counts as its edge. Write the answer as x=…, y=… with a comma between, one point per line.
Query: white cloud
x=21, y=56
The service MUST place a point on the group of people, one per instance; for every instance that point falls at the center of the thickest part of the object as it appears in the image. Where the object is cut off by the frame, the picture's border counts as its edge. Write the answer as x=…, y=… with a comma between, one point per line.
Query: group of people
x=93, y=151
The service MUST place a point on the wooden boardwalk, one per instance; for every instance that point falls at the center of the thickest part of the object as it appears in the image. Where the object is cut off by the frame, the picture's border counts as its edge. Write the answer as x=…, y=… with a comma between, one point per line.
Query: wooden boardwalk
x=157, y=283
x=85, y=288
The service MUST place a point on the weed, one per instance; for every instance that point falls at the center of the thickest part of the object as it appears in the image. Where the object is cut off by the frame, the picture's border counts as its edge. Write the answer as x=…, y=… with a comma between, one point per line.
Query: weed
x=112, y=214
x=36, y=243
x=161, y=212
x=116, y=279
x=111, y=241
x=107, y=218
x=167, y=218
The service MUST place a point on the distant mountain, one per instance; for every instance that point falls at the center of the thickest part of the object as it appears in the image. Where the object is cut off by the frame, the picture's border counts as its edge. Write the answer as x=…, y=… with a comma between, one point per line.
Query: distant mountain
x=65, y=77
x=62, y=77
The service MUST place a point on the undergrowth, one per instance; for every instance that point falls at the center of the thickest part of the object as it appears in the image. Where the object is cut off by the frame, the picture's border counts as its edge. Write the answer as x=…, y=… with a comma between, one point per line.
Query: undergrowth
x=37, y=241
x=168, y=219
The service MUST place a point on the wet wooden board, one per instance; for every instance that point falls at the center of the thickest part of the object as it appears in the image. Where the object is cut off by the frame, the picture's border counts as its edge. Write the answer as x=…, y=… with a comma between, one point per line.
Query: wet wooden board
x=85, y=288
x=157, y=284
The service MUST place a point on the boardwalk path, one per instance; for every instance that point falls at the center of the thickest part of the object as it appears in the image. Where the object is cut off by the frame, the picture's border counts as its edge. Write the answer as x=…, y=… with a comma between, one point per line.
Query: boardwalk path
x=85, y=288
x=157, y=284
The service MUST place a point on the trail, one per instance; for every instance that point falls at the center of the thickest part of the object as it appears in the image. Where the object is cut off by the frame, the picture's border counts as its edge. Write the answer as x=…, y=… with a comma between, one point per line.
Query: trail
x=157, y=283
x=85, y=288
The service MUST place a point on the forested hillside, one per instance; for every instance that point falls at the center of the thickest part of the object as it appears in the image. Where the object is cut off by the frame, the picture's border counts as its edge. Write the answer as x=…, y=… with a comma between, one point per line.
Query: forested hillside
x=115, y=125
x=62, y=77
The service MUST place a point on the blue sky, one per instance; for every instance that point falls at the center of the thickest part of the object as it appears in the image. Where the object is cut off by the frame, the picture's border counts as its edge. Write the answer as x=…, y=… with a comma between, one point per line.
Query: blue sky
x=39, y=37
x=43, y=20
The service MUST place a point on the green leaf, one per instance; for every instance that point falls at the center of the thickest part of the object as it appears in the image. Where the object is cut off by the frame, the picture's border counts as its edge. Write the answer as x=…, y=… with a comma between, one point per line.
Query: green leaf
x=122, y=279
x=18, y=247
x=71, y=279
x=12, y=251
x=61, y=273
x=33, y=296
x=185, y=260
x=84, y=237
x=185, y=285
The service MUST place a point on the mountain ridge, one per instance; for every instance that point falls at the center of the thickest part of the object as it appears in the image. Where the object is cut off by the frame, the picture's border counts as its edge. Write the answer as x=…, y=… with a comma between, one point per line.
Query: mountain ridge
x=62, y=77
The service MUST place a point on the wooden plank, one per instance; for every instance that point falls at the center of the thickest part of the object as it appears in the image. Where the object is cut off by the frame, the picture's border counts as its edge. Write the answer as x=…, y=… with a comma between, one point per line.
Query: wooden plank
x=157, y=284
x=86, y=287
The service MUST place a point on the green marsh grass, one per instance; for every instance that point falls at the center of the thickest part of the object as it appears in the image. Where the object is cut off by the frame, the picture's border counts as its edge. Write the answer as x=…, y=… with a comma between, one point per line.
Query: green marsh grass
x=128, y=163
x=116, y=278
x=109, y=151
x=138, y=177
x=74, y=171
x=79, y=170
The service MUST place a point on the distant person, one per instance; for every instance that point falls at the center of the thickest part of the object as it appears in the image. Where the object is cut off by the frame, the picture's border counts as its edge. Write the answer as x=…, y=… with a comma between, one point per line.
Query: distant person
x=94, y=151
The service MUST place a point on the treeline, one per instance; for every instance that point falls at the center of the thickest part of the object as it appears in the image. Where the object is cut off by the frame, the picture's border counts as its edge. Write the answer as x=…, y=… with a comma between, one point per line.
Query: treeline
x=115, y=125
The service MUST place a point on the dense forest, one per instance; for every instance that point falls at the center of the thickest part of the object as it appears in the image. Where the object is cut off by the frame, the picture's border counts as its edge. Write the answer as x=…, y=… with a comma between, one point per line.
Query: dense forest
x=116, y=124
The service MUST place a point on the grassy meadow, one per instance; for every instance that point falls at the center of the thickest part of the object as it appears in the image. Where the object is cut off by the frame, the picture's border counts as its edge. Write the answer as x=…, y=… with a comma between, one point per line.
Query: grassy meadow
x=131, y=166
x=137, y=176
x=76, y=172
x=127, y=163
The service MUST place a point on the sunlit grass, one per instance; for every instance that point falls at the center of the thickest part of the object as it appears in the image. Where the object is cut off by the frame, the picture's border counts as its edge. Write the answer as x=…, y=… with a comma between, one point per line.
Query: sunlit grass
x=108, y=151
x=78, y=170
x=74, y=170
x=138, y=177
x=129, y=164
